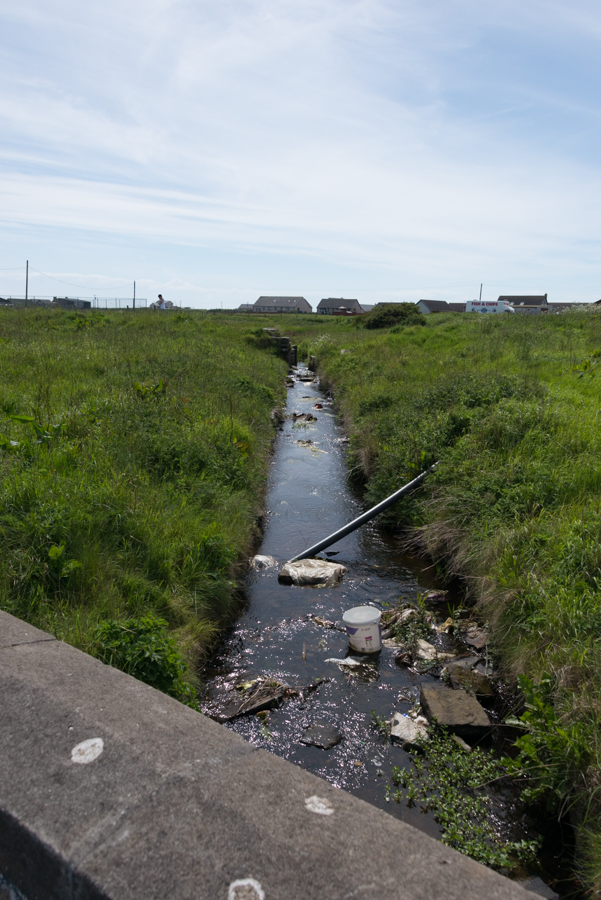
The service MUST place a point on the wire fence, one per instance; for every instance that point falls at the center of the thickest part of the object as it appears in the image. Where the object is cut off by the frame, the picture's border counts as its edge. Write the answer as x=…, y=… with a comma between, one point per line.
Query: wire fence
x=77, y=302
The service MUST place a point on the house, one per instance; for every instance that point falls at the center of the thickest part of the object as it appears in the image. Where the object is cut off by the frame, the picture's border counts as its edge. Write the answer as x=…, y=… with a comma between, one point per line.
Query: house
x=246, y=307
x=331, y=306
x=435, y=306
x=282, y=305
x=532, y=305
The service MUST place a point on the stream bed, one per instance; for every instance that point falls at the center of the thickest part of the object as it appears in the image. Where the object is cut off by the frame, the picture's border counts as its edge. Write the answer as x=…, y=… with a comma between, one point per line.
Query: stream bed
x=277, y=636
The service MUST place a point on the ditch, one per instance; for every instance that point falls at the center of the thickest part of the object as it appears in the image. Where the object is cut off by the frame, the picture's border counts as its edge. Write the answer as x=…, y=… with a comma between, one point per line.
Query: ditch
x=286, y=635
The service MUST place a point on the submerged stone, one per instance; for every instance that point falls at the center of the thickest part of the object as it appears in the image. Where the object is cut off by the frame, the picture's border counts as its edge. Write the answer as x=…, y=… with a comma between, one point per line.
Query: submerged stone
x=321, y=735
x=462, y=677
x=263, y=562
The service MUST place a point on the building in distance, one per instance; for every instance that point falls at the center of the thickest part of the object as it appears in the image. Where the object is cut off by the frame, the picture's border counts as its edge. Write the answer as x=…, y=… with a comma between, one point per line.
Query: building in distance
x=530, y=305
x=435, y=306
x=280, y=305
x=338, y=306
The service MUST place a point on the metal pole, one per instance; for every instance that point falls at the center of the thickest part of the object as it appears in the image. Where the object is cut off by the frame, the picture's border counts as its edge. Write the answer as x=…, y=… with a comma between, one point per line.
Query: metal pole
x=480, y=294
x=362, y=519
x=26, y=281
x=134, y=294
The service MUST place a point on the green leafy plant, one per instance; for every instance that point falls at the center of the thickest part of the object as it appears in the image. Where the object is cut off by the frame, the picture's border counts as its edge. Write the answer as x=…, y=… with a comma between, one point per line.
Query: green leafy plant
x=554, y=754
x=380, y=723
x=143, y=648
x=455, y=784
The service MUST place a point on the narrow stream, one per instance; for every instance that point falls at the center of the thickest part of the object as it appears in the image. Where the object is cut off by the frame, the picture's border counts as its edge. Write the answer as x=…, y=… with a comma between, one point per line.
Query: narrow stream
x=308, y=498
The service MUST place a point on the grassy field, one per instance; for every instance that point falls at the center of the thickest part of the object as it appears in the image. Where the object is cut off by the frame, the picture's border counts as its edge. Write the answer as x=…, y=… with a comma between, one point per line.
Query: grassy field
x=133, y=455
x=509, y=406
x=134, y=448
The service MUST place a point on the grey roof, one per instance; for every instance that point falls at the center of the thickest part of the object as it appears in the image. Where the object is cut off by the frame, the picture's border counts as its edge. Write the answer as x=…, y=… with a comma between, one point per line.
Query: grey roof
x=337, y=303
x=367, y=307
x=436, y=305
x=457, y=307
x=279, y=301
x=525, y=299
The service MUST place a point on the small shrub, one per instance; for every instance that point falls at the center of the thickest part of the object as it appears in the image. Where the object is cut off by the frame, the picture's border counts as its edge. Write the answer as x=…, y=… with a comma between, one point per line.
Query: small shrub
x=143, y=648
x=389, y=314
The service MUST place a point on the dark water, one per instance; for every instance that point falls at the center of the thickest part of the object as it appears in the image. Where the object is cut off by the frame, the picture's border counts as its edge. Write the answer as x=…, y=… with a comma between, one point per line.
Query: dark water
x=308, y=498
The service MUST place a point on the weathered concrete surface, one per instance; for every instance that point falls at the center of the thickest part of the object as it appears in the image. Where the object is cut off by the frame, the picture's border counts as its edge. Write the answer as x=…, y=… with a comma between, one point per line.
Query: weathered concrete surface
x=178, y=807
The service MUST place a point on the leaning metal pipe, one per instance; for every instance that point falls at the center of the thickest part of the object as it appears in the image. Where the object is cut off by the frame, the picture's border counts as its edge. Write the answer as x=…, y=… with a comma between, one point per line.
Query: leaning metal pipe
x=362, y=519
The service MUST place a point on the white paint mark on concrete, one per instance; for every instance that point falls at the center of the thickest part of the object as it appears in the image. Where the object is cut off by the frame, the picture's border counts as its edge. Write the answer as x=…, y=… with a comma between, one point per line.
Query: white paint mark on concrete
x=245, y=889
x=319, y=805
x=87, y=751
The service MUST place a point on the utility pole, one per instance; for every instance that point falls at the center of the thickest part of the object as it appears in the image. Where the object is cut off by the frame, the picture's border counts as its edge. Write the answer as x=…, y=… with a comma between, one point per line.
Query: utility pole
x=480, y=294
x=26, y=281
x=134, y=294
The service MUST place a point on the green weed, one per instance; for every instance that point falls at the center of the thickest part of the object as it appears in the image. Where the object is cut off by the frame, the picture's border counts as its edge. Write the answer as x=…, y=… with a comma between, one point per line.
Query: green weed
x=456, y=785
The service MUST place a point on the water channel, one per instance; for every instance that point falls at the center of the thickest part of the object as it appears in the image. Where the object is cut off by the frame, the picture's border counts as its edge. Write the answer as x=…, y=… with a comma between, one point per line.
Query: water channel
x=308, y=498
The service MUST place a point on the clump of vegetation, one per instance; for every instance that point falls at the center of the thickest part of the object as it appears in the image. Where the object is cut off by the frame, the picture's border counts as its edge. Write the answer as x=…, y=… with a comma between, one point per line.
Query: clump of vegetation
x=133, y=455
x=409, y=624
x=386, y=315
x=457, y=786
x=143, y=648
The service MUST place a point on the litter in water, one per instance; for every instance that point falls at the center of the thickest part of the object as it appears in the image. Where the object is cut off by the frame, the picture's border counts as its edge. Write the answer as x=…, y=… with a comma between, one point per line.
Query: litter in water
x=317, y=572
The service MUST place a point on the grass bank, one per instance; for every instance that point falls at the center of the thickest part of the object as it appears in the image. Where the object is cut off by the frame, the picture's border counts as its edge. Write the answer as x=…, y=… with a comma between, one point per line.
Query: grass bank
x=509, y=405
x=133, y=455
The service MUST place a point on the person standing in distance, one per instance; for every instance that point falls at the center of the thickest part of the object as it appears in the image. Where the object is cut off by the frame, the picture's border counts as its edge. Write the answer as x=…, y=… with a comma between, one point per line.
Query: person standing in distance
x=161, y=302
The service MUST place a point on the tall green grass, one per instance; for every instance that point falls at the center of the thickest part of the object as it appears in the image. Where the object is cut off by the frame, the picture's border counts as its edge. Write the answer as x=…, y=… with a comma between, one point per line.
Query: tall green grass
x=510, y=407
x=133, y=453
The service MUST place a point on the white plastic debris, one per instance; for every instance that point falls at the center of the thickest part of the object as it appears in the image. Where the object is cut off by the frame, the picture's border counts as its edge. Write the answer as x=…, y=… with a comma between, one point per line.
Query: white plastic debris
x=430, y=653
x=425, y=650
x=405, y=730
x=263, y=562
x=349, y=663
x=312, y=571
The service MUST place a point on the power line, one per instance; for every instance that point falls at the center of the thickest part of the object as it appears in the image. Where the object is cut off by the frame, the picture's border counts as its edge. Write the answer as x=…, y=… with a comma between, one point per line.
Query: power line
x=85, y=287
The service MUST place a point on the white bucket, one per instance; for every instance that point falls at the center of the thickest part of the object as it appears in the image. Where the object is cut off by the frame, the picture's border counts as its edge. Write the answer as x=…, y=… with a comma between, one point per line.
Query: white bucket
x=363, y=628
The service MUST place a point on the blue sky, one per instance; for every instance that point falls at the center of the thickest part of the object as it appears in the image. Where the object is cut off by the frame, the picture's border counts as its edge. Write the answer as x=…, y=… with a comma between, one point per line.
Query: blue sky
x=215, y=151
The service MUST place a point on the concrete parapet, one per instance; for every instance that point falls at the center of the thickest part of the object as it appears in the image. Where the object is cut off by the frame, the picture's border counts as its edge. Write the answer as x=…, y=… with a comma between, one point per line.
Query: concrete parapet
x=110, y=789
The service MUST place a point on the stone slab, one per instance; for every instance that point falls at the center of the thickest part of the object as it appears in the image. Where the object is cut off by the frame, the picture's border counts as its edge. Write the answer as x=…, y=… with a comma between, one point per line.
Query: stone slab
x=321, y=734
x=459, y=711
x=462, y=677
x=176, y=806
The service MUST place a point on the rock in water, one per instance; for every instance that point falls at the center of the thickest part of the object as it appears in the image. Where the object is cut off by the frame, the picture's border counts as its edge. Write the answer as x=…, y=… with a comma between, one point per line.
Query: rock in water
x=321, y=735
x=462, y=677
x=263, y=562
x=459, y=711
x=312, y=571
x=406, y=731
x=475, y=637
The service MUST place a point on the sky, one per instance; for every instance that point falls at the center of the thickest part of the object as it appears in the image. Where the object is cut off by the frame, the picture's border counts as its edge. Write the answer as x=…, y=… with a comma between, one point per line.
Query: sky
x=217, y=151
